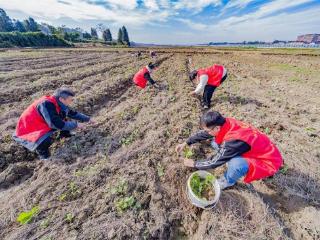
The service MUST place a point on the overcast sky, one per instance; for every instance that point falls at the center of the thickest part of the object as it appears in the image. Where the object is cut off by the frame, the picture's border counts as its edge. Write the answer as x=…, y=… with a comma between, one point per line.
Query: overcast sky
x=179, y=21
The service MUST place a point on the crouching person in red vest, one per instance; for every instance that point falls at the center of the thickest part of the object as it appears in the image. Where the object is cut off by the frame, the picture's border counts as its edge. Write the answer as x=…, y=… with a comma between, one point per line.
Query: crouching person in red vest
x=208, y=80
x=248, y=152
x=142, y=77
x=44, y=116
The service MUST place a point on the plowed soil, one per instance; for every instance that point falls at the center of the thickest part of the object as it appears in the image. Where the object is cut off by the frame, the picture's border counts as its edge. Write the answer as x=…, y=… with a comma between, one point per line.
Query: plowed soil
x=129, y=152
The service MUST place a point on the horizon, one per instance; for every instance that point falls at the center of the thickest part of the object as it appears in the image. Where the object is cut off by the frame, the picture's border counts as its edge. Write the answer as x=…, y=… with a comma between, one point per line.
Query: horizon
x=179, y=22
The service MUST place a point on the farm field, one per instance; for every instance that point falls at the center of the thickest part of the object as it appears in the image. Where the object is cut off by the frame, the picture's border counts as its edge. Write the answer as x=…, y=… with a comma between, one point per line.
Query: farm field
x=121, y=178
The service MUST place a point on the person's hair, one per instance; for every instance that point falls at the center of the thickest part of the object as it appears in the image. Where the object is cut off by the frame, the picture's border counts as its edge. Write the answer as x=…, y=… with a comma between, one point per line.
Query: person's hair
x=212, y=119
x=193, y=74
x=64, y=93
x=151, y=65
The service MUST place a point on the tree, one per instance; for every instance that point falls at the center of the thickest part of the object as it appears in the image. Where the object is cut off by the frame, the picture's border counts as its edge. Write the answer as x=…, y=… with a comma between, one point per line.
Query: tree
x=106, y=34
x=94, y=33
x=86, y=35
x=6, y=24
x=125, y=35
x=72, y=36
x=31, y=25
x=18, y=26
x=120, y=36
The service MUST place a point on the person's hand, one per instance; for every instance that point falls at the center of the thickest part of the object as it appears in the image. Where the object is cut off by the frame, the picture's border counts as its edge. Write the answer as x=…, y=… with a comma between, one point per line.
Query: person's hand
x=82, y=125
x=92, y=121
x=180, y=147
x=188, y=162
x=193, y=94
x=156, y=85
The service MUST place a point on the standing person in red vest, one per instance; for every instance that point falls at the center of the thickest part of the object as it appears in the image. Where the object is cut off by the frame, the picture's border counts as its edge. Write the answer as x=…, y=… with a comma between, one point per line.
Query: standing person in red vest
x=248, y=152
x=208, y=80
x=142, y=77
x=43, y=117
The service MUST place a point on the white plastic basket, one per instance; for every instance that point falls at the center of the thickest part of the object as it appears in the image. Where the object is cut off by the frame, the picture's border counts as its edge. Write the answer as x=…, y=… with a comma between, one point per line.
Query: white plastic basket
x=199, y=202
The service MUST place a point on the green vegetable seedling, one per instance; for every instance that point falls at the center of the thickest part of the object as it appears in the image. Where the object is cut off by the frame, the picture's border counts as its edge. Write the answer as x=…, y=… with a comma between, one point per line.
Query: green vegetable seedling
x=26, y=217
x=202, y=187
x=188, y=153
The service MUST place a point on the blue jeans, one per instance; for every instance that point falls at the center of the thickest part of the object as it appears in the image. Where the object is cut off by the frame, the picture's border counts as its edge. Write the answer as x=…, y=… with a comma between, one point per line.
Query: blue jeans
x=237, y=168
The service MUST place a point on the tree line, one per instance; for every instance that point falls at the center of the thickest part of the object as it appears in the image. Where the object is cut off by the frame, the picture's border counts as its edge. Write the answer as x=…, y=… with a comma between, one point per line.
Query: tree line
x=22, y=29
x=123, y=36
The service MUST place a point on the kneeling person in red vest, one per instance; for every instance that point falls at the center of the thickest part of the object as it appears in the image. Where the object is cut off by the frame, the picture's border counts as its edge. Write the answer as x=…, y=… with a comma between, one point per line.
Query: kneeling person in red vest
x=142, y=77
x=248, y=152
x=44, y=116
x=208, y=80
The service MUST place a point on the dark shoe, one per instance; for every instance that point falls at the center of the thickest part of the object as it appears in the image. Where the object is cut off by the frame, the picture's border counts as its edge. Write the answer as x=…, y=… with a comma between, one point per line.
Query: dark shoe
x=65, y=134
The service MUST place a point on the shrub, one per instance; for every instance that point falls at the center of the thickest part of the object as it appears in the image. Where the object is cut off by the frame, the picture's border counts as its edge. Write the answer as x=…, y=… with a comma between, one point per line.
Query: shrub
x=31, y=39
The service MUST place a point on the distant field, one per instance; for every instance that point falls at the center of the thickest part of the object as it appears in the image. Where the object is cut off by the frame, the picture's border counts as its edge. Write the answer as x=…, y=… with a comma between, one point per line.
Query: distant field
x=130, y=154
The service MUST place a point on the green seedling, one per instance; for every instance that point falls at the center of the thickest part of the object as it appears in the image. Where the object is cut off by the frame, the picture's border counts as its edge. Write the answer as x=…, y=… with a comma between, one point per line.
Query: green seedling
x=284, y=169
x=310, y=129
x=86, y=171
x=188, y=153
x=125, y=203
x=121, y=188
x=267, y=130
x=130, y=139
x=202, y=187
x=71, y=193
x=26, y=217
x=160, y=170
x=45, y=223
x=135, y=109
x=69, y=218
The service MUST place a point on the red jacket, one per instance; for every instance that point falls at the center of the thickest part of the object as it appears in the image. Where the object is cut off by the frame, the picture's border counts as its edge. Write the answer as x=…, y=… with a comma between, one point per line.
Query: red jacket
x=31, y=126
x=264, y=158
x=215, y=74
x=139, y=78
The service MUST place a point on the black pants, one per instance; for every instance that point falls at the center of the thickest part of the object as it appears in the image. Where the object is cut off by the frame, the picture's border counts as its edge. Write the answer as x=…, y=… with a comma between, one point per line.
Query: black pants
x=43, y=149
x=208, y=92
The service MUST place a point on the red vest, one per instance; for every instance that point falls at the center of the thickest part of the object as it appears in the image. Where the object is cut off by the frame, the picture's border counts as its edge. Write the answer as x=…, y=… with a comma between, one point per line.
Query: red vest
x=214, y=73
x=139, y=78
x=31, y=126
x=264, y=158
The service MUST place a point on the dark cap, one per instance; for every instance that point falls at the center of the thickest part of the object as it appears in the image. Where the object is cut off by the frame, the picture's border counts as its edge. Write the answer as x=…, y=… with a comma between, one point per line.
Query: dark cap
x=151, y=66
x=212, y=119
x=63, y=92
x=193, y=74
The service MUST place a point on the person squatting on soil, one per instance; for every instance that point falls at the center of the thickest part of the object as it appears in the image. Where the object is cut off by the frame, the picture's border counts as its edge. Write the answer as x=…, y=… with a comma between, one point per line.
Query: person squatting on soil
x=43, y=117
x=247, y=151
x=143, y=76
x=208, y=80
